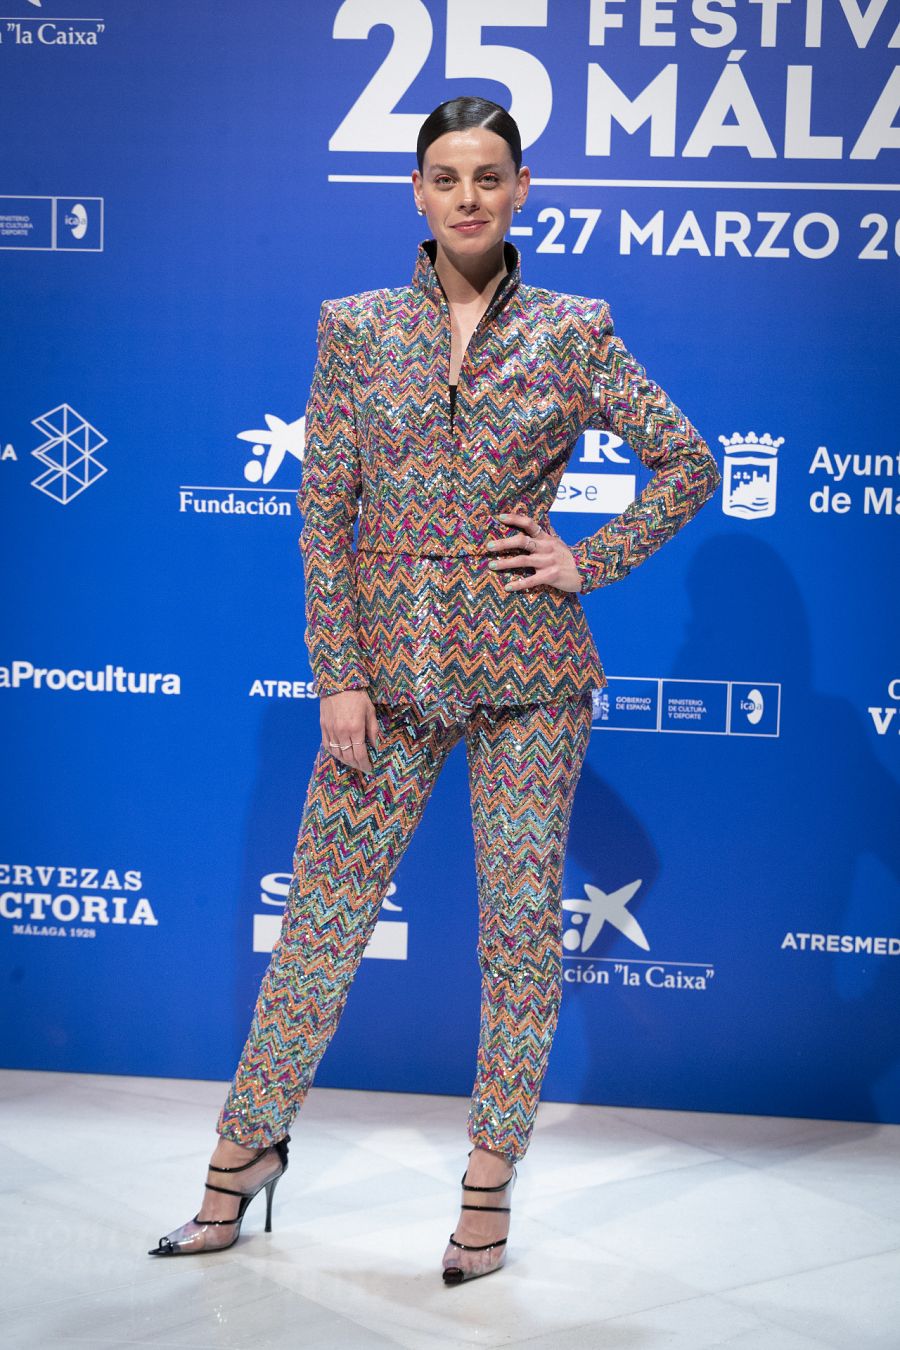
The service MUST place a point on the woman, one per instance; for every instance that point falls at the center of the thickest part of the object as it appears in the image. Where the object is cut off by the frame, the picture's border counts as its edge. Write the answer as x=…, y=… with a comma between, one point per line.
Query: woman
x=445, y=412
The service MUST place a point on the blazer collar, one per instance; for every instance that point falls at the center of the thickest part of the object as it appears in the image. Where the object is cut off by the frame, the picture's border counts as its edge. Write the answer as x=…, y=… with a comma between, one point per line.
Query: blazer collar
x=426, y=278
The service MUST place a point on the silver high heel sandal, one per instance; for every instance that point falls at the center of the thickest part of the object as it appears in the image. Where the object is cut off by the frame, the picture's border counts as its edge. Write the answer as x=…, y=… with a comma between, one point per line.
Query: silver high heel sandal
x=456, y=1268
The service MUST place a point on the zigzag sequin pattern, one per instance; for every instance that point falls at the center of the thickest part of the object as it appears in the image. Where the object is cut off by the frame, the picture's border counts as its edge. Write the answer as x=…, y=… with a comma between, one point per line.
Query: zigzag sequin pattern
x=523, y=766
x=412, y=612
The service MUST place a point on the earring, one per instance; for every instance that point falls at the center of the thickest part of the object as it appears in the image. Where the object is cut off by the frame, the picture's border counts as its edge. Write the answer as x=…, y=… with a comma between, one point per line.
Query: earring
x=421, y=210
x=518, y=206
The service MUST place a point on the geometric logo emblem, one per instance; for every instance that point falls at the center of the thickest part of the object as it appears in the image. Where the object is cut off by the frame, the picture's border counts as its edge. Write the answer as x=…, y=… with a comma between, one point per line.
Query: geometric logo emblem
x=68, y=452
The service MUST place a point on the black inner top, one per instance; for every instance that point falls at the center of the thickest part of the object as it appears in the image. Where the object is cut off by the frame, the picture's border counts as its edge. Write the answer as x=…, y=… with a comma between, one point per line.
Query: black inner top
x=452, y=388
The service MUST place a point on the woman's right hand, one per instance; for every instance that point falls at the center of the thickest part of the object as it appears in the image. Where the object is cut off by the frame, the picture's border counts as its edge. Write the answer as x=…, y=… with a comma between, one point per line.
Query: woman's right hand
x=348, y=719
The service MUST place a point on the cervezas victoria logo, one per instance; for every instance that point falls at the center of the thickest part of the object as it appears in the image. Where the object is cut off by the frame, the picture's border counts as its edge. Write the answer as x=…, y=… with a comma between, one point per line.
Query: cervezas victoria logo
x=50, y=900
x=883, y=718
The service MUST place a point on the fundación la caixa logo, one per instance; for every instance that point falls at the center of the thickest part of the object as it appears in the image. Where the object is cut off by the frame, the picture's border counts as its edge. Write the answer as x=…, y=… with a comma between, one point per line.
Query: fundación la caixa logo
x=44, y=30
x=582, y=965
x=270, y=447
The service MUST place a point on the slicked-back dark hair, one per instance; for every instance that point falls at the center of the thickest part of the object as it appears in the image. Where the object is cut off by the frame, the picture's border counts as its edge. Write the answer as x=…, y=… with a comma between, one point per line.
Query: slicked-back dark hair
x=459, y=114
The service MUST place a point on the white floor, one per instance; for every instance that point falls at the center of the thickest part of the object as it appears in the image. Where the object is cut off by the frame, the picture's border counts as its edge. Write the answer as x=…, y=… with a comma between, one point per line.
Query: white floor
x=631, y=1229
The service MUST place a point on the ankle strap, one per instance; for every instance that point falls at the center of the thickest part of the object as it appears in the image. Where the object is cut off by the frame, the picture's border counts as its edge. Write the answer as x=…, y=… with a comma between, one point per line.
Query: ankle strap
x=502, y=1185
x=242, y=1167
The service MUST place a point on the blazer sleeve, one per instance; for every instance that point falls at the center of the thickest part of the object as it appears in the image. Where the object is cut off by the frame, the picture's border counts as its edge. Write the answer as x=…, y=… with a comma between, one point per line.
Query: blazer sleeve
x=328, y=499
x=627, y=402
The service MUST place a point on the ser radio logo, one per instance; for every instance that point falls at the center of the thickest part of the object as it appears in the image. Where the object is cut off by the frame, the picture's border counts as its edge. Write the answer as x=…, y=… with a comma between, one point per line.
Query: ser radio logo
x=389, y=938
x=606, y=489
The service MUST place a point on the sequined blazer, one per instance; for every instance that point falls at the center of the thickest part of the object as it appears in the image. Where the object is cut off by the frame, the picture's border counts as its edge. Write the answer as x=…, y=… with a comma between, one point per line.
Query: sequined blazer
x=412, y=612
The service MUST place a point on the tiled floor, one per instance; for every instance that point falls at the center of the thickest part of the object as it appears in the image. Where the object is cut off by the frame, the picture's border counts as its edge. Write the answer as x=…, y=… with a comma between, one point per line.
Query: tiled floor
x=631, y=1229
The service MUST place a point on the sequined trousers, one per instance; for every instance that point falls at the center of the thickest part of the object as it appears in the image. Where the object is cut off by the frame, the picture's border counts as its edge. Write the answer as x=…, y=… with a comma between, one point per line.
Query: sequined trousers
x=524, y=762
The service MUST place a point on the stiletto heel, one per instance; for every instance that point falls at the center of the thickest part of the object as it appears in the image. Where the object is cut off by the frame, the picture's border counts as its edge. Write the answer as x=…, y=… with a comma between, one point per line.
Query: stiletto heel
x=201, y=1235
x=475, y=1266
x=270, y=1192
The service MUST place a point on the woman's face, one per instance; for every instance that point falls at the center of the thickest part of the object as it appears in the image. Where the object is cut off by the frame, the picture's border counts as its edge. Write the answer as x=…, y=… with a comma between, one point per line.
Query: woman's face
x=469, y=187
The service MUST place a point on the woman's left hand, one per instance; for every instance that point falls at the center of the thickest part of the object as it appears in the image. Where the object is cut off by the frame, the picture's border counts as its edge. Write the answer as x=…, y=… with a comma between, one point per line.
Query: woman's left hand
x=552, y=560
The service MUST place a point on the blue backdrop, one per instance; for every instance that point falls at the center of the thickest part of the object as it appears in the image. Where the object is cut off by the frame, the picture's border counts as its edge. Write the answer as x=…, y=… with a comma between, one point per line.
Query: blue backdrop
x=183, y=184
